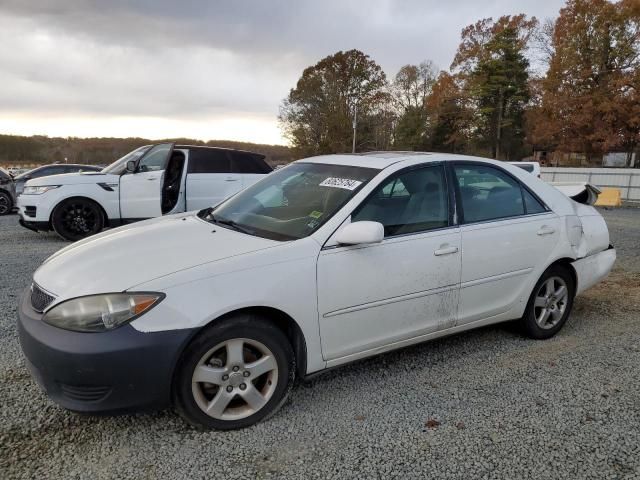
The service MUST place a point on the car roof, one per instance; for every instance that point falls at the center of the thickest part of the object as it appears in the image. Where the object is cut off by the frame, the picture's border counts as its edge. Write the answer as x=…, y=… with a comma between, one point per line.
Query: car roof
x=65, y=165
x=382, y=160
x=203, y=147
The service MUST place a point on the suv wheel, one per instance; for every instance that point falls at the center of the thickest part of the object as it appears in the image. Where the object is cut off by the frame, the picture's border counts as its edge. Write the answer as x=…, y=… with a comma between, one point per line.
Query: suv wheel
x=77, y=218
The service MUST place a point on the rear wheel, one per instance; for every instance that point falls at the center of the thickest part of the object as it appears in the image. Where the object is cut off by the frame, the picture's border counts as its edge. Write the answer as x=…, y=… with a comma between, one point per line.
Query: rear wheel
x=6, y=204
x=77, y=218
x=550, y=303
x=234, y=374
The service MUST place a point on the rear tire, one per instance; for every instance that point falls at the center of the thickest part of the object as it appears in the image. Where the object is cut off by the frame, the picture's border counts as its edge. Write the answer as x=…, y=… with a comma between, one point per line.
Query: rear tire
x=6, y=203
x=550, y=303
x=234, y=374
x=77, y=218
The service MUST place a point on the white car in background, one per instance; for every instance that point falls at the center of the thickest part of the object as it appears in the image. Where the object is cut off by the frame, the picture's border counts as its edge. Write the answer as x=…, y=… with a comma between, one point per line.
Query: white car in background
x=149, y=182
x=531, y=167
x=326, y=261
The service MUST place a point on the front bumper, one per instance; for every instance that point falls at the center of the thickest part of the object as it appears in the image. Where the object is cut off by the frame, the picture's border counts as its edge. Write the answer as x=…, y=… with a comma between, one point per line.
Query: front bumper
x=35, y=211
x=122, y=369
x=35, y=226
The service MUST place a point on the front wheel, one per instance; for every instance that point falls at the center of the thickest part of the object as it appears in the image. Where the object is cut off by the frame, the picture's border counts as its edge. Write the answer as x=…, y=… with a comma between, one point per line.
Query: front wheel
x=234, y=374
x=77, y=218
x=550, y=303
x=6, y=204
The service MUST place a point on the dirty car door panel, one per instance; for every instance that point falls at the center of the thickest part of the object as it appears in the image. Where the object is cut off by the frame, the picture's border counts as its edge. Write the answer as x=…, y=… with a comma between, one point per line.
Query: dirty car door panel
x=407, y=285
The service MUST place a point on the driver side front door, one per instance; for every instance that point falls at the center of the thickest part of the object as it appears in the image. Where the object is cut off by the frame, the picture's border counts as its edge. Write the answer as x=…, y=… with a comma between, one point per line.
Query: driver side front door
x=374, y=297
x=141, y=191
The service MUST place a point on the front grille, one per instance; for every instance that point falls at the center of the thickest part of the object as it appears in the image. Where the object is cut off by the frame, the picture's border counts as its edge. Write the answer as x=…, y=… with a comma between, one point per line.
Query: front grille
x=39, y=298
x=82, y=393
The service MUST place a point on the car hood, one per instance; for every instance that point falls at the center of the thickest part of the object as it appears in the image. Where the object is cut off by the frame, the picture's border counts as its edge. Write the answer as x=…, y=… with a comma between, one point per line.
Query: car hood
x=74, y=179
x=119, y=259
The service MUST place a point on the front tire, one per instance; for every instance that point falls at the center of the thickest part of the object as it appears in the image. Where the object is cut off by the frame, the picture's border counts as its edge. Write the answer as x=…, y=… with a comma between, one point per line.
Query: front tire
x=77, y=218
x=234, y=374
x=550, y=303
x=6, y=203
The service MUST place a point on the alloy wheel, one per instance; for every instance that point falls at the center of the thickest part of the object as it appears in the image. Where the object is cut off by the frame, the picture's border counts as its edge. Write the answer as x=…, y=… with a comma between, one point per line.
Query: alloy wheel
x=78, y=218
x=235, y=379
x=5, y=204
x=551, y=302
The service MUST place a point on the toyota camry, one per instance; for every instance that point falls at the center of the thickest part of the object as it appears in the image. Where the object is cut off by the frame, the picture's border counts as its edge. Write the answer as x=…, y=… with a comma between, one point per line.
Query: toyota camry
x=326, y=261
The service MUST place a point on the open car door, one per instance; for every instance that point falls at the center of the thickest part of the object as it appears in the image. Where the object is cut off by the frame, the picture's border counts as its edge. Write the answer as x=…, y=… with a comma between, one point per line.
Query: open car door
x=141, y=190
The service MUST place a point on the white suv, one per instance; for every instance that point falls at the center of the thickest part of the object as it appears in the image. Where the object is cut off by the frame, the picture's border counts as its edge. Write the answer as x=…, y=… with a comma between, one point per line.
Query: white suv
x=151, y=181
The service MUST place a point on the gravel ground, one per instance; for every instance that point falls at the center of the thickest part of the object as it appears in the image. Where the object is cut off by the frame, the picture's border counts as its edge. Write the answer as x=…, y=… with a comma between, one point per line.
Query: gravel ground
x=484, y=404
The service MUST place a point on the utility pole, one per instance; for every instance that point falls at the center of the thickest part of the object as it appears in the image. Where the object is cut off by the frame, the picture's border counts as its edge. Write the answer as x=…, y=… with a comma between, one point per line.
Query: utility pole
x=355, y=123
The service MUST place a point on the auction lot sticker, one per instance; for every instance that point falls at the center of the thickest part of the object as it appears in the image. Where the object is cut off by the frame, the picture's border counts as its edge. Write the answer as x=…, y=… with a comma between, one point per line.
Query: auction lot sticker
x=345, y=183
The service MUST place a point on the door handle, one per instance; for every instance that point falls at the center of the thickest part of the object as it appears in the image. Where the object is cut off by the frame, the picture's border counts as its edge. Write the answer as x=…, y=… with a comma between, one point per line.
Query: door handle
x=231, y=180
x=445, y=251
x=151, y=179
x=544, y=230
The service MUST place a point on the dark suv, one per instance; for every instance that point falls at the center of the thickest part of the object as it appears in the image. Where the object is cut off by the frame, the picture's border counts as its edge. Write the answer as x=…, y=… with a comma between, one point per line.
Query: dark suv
x=55, y=169
x=7, y=192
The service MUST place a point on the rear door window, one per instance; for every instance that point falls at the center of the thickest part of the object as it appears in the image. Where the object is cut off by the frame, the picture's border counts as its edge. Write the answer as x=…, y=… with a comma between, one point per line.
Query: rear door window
x=209, y=161
x=489, y=193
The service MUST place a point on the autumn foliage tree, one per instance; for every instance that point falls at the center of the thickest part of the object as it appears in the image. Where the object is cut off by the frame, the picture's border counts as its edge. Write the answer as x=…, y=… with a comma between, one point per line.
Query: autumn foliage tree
x=493, y=69
x=590, y=98
x=571, y=84
x=448, y=124
x=318, y=113
x=410, y=89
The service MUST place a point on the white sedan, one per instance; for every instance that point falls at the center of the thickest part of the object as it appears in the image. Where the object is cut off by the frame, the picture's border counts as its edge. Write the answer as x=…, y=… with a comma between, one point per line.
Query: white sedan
x=326, y=261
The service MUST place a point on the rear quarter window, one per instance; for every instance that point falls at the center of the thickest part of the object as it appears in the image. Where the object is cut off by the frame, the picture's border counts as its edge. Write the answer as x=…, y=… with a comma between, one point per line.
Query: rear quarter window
x=249, y=163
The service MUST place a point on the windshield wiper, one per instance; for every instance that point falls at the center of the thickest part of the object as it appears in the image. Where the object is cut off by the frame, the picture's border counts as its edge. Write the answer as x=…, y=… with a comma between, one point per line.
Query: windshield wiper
x=230, y=223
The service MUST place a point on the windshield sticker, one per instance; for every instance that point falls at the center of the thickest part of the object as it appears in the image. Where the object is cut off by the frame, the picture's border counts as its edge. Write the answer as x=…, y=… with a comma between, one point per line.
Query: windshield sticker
x=315, y=214
x=345, y=183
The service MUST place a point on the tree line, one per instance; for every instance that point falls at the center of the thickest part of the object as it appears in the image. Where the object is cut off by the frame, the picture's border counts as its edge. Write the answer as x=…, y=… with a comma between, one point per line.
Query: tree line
x=21, y=150
x=515, y=85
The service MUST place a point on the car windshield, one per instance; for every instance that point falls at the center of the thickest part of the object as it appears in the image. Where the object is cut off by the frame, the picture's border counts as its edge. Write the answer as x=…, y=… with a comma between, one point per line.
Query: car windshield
x=291, y=203
x=120, y=165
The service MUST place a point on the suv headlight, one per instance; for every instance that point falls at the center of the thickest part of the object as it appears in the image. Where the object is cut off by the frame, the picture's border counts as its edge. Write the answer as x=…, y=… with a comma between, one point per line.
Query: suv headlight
x=99, y=313
x=38, y=190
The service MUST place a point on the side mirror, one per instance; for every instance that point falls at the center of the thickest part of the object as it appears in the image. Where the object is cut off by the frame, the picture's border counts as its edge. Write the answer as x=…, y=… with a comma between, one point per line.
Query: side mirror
x=131, y=166
x=358, y=233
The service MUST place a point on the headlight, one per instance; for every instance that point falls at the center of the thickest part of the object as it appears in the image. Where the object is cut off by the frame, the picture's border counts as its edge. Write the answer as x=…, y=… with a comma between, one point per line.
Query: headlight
x=38, y=190
x=98, y=313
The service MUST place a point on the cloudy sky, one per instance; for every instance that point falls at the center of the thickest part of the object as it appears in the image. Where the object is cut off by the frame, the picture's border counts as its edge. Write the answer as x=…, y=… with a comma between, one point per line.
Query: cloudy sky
x=202, y=68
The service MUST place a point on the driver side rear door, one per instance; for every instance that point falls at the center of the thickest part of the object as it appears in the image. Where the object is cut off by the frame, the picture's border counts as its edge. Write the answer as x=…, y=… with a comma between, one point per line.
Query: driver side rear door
x=141, y=191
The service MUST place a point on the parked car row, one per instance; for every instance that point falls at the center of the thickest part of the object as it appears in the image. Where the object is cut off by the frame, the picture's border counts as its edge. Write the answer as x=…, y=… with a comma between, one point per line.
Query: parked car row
x=11, y=186
x=325, y=261
x=148, y=182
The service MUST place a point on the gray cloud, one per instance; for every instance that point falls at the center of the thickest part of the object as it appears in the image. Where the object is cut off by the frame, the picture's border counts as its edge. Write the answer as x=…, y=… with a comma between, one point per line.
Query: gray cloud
x=196, y=58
